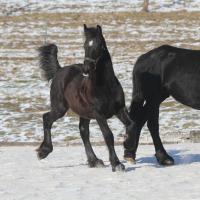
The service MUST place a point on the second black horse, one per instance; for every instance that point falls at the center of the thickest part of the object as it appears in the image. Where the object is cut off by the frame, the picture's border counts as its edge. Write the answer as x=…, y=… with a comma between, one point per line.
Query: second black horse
x=160, y=73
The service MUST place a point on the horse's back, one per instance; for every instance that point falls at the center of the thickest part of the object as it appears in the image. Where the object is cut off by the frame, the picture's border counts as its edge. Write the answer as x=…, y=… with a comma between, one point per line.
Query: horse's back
x=156, y=60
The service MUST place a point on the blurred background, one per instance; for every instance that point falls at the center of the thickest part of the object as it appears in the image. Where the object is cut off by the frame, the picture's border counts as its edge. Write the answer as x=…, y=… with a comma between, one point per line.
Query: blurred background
x=130, y=27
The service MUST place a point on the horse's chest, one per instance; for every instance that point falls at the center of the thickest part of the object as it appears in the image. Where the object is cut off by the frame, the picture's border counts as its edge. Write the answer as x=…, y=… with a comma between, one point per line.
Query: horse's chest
x=109, y=103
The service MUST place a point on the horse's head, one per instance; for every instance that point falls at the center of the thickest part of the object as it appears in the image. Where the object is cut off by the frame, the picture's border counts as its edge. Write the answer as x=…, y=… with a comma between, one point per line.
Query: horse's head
x=94, y=47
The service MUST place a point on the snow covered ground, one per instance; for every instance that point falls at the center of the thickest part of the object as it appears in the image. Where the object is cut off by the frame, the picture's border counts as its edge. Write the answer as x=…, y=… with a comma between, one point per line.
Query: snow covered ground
x=65, y=175
x=16, y=7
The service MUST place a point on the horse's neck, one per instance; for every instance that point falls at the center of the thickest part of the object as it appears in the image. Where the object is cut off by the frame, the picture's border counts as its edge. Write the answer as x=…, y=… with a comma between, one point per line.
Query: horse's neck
x=105, y=73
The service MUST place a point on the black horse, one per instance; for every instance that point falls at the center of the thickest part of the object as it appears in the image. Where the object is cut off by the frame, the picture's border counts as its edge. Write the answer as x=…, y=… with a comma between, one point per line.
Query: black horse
x=162, y=72
x=91, y=90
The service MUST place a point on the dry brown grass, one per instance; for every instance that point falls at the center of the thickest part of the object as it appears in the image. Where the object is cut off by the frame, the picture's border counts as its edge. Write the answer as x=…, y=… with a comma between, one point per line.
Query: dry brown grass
x=104, y=17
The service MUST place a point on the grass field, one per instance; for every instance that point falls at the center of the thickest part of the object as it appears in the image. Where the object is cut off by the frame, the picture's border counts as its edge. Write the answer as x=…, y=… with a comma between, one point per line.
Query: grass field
x=25, y=97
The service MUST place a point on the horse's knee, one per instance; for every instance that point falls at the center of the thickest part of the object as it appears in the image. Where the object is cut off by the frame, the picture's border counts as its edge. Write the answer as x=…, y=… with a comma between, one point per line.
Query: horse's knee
x=49, y=118
x=84, y=126
x=45, y=116
x=81, y=128
x=83, y=131
x=46, y=120
x=52, y=116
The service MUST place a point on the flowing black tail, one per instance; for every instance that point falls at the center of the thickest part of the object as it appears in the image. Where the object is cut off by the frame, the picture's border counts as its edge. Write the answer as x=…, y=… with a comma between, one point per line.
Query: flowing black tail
x=48, y=60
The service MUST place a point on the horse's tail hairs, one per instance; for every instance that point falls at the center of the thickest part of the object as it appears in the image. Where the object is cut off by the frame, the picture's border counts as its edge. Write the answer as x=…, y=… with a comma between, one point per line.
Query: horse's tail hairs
x=137, y=89
x=48, y=60
x=138, y=100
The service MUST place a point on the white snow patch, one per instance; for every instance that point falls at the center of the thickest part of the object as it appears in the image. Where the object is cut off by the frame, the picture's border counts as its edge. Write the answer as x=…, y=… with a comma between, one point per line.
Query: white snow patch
x=16, y=7
x=65, y=175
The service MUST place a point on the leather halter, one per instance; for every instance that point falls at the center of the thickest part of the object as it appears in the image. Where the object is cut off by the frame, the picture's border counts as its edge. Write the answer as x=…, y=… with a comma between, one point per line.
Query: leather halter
x=95, y=61
x=90, y=59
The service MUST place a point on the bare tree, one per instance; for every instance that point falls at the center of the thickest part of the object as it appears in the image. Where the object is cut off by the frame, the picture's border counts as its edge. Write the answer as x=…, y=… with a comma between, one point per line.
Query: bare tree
x=145, y=6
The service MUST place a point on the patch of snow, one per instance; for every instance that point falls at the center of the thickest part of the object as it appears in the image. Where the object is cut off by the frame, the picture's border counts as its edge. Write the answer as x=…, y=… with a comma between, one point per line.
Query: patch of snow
x=20, y=6
x=65, y=175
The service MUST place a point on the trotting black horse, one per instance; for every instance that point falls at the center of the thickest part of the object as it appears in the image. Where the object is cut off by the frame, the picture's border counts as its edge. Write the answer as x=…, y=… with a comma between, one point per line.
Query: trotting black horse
x=91, y=90
x=160, y=73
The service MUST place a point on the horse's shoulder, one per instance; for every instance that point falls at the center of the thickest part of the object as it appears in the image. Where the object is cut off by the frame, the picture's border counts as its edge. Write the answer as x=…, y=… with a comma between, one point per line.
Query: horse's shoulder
x=67, y=73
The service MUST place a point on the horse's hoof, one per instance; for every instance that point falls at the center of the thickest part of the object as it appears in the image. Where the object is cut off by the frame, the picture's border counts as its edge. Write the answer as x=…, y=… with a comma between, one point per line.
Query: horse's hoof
x=41, y=155
x=100, y=163
x=129, y=156
x=43, y=152
x=130, y=159
x=164, y=159
x=97, y=163
x=118, y=168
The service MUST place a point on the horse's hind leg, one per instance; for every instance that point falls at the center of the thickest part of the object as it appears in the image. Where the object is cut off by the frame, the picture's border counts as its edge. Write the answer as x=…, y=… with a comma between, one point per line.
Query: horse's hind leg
x=138, y=113
x=93, y=161
x=153, y=125
x=48, y=118
x=131, y=135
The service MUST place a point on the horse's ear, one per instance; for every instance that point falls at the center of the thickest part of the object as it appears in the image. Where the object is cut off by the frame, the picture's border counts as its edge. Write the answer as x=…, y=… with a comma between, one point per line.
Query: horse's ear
x=99, y=29
x=85, y=27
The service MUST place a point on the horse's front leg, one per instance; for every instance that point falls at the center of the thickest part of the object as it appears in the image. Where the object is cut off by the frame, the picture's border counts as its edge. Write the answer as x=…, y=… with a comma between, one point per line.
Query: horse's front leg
x=48, y=118
x=131, y=135
x=93, y=161
x=109, y=140
x=46, y=146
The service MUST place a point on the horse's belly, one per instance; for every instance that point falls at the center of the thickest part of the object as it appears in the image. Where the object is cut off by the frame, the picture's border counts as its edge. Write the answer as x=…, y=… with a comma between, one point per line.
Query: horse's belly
x=79, y=104
x=84, y=113
x=186, y=90
x=80, y=109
